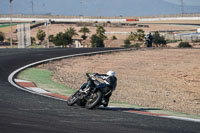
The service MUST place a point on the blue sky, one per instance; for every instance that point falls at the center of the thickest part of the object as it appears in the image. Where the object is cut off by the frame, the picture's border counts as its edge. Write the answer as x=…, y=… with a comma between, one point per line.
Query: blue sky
x=101, y=7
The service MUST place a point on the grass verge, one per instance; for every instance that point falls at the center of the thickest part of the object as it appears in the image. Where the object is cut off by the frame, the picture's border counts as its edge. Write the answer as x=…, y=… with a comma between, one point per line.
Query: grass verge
x=42, y=78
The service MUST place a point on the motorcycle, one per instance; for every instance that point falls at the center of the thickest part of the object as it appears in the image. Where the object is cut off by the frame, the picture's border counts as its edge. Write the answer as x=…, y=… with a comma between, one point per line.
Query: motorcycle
x=89, y=95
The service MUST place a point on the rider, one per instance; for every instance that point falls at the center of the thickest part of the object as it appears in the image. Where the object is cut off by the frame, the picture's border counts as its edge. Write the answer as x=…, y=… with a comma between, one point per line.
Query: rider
x=109, y=85
x=149, y=39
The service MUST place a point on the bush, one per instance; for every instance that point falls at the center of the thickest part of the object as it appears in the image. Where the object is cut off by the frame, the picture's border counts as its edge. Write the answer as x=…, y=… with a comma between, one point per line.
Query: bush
x=114, y=38
x=32, y=40
x=127, y=43
x=2, y=37
x=137, y=45
x=41, y=35
x=158, y=39
x=97, y=41
x=62, y=39
x=184, y=45
x=51, y=38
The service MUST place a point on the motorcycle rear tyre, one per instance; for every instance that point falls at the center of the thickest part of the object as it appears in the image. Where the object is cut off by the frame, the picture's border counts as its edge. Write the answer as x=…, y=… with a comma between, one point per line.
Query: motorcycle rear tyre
x=96, y=102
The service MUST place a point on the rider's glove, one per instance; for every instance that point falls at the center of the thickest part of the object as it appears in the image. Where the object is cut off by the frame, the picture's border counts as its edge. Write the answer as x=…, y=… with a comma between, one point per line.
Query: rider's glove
x=96, y=74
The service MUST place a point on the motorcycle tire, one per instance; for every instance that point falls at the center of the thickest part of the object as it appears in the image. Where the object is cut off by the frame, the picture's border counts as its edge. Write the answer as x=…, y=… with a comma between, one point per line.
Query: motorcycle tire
x=81, y=102
x=95, y=101
x=72, y=100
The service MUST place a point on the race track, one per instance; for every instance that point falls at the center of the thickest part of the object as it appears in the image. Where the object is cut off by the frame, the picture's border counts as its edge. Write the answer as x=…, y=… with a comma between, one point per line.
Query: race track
x=24, y=112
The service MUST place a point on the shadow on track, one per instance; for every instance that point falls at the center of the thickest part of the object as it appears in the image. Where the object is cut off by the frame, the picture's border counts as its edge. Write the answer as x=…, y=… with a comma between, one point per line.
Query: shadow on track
x=127, y=109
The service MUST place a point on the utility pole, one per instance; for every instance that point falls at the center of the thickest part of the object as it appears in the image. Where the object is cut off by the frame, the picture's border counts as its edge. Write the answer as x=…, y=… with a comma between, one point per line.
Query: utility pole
x=47, y=29
x=11, y=43
x=182, y=7
x=32, y=5
x=81, y=7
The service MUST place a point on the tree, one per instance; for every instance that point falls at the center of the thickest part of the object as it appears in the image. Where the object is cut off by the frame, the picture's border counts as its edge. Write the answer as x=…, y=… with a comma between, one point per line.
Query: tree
x=62, y=39
x=71, y=32
x=84, y=30
x=100, y=32
x=2, y=37
x=97, y=41
x=158, y=39
x=41, y=35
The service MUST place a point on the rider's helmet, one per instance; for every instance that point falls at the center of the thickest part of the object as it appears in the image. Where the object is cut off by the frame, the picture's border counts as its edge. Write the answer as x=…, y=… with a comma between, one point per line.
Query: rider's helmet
x=110, y=73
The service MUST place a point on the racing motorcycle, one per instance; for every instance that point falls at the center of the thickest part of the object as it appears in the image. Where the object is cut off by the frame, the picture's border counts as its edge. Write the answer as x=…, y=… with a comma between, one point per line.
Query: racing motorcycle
x=89, y=95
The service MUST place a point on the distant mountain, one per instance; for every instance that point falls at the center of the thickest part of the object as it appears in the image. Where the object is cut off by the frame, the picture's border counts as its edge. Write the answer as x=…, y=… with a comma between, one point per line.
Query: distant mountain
x=97, y=7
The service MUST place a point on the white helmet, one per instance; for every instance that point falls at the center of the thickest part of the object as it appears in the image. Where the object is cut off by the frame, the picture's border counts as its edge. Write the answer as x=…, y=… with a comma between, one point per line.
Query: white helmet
x=110, y=73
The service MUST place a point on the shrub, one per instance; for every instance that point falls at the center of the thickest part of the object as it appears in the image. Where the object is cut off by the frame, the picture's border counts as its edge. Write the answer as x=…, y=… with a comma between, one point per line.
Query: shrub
x=184, y=45
x=51, y=38
x=32, y=40
x=41, y=35
x=62, y=39
x=139, y=35
x=114, y=38
x=137, y=45
x=2, y=37
x=97, y=41
x=127, y=43
x=158, y=39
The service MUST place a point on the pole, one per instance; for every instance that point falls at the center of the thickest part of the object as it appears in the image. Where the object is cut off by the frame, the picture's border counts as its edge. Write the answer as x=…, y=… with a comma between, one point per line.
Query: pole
x=11, y=43
x=81, y=7
x=47, y=25
x=182, y=8
x=32, y=7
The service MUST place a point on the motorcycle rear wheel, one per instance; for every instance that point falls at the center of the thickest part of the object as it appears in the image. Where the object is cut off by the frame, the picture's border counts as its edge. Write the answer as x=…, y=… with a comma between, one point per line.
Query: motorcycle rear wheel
x=94, y=101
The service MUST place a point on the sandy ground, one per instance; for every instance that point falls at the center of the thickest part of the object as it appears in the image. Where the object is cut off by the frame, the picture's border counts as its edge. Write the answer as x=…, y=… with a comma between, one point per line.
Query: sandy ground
x=163, y=78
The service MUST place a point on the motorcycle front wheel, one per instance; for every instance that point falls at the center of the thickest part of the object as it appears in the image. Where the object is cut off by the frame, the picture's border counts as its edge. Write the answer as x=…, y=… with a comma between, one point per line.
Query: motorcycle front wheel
x=94, y=100
x=72, y=100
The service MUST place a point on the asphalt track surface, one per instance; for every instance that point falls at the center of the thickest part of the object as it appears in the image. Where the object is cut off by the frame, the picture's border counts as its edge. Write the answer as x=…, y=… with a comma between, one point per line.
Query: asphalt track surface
x=24, y=112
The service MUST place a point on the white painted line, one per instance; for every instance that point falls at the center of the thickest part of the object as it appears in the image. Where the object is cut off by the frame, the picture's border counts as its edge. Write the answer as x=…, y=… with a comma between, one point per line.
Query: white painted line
x=19, y=80
x=38, y=90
